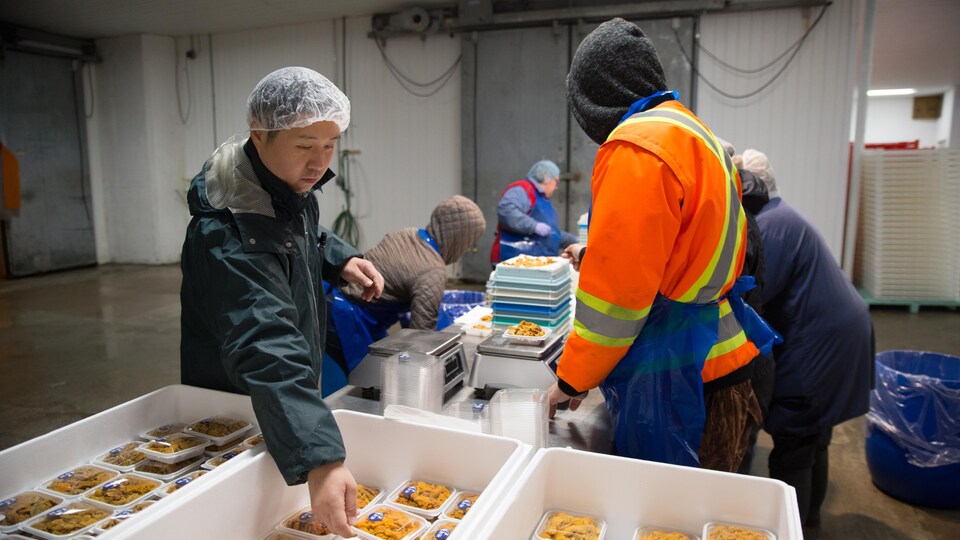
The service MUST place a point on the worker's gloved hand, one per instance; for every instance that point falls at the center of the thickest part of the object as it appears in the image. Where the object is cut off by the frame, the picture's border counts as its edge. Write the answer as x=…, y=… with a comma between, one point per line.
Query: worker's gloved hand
x=542, y=229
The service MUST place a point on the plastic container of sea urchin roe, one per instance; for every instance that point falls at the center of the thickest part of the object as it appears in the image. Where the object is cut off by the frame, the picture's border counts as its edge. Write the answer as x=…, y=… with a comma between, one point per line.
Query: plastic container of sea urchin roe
x=386, y=522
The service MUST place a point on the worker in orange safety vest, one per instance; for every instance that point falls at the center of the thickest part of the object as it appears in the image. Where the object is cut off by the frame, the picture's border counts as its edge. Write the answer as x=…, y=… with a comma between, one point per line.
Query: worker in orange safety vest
x=657, y=311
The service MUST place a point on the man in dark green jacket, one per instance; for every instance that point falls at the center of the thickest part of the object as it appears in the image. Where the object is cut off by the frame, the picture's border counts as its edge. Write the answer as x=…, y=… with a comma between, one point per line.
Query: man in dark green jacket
x=253, y=313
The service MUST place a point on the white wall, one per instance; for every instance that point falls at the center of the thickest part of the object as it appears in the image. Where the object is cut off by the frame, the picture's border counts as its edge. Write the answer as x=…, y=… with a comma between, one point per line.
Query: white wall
x=802, y=120
x=148, y=146
x=890, y=119
x=135, y=151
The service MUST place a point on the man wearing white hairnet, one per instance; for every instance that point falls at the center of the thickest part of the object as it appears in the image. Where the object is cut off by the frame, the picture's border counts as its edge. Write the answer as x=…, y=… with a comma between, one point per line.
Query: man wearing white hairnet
x=824, y=368
x=252, y=305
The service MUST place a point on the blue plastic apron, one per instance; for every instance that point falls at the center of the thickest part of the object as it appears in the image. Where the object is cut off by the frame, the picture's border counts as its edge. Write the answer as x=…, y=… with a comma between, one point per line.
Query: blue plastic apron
x=512, y=244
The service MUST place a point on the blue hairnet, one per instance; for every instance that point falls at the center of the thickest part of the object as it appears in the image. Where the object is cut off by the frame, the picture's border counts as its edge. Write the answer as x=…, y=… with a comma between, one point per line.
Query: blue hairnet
x=542, y=170
x=295, y=97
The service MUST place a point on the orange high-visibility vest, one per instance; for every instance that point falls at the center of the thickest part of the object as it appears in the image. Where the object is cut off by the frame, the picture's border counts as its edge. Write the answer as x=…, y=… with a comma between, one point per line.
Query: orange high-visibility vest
x=666, y=217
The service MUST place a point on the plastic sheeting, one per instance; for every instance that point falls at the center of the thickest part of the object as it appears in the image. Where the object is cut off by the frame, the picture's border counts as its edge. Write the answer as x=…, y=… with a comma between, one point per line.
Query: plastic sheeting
x=917, y=403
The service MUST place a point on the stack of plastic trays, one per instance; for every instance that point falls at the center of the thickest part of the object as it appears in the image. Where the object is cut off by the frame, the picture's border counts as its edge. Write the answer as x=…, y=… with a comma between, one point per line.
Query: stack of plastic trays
x=538, y=294
x=412, y=379
x=582, y=229
x=471, y=411
x=520, y=413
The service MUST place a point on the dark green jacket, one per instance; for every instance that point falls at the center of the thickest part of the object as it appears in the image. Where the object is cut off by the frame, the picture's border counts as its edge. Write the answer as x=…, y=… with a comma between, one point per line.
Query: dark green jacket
x=252, y=306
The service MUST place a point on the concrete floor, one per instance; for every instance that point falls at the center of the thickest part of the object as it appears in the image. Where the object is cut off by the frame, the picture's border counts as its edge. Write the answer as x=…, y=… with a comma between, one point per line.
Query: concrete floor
x=75, y=343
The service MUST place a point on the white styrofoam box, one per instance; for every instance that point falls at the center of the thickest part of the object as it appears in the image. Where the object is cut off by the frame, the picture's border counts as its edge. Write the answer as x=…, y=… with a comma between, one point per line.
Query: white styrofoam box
x=252, y=499
x=33, y=462
x=628, y=493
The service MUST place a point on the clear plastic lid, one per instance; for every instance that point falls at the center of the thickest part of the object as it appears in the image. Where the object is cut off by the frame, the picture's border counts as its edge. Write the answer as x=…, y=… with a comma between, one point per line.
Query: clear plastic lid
x=79, y=480
x=123, y=457
x=461, y=505
x=217, y=461
x=23, y=506
x=219, y=429
x=655, y=532
x=123, y=491
x=428, y=499
x=163, y=430
x=367, y=495
x=570, y=526
x=121, y=516
x=174, y=448
x=184, y=480
x=386, y=522
x=719, y=530
x=67, y=520
x=167, y=471
x=215, y=450
x=440, y=530
x=254, y=440
x=305, y=523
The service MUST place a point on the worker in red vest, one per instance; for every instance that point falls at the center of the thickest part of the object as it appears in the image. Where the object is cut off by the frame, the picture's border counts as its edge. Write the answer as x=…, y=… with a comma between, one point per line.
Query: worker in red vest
x=526, y=220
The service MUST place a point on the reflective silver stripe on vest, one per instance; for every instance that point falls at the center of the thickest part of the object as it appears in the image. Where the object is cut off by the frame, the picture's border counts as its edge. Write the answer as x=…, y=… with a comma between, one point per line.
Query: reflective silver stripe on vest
x=607, y=325
x=719, y=277
x=729, y=327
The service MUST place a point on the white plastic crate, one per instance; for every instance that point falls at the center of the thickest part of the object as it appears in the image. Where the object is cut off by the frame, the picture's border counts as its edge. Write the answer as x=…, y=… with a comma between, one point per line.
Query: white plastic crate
x=252, y=499
x=629, y=493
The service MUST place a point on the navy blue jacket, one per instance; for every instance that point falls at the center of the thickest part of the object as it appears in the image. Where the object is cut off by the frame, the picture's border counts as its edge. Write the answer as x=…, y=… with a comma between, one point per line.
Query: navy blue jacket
x=824, y=368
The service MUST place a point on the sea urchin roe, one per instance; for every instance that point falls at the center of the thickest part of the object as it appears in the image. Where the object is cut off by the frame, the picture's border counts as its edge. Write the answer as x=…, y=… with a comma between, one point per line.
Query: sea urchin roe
x=174, y=443
x=365, y=495
x=527, y=261
x=69, y=519
x=180, y=482
x=660, y=534
x=462, y=505
x=526, y=328
x=423, y=495
x=217, y=426
x=24, y=506
x=164, y=430
x=155, y=467
x=306, y=522
x=123, y=490
x=735, y=532
x=388, y=524
x=124, y=456
x=563, y=526
x=81, y=479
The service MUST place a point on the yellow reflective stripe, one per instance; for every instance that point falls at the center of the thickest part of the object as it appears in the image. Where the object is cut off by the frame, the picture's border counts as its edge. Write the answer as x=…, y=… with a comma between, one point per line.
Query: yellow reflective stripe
x=611, y=310
x=602, y=340
x=726, y=346
x=724, y=308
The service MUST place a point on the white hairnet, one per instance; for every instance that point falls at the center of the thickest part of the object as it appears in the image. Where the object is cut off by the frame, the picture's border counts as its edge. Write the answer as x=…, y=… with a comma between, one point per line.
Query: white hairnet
x=757, y=163
x=727, y=147
x=542, y=170
x=295, y=97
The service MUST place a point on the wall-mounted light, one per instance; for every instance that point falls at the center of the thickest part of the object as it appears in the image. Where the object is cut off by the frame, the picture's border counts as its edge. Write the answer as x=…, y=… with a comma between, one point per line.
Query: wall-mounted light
x=892, y=92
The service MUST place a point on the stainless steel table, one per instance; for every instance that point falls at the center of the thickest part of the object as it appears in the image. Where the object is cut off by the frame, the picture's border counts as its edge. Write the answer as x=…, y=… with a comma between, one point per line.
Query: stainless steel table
x=587, y=428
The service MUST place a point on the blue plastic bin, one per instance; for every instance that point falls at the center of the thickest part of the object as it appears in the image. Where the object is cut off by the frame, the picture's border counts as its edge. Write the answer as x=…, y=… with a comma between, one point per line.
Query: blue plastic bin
x=456, y=303
x=913, y=428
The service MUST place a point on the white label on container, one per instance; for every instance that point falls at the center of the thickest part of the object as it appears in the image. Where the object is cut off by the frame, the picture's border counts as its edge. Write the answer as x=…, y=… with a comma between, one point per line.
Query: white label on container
x=123, y=513
x=116, y=451
x=57, y=512
x=111, y=485
x=66, y=475
x=464, y=504
x=8, y=502
x=306, y=516
x=409, y=490
x=441, y=534
x=230, y=455
x=375, y=516
x=183, y=481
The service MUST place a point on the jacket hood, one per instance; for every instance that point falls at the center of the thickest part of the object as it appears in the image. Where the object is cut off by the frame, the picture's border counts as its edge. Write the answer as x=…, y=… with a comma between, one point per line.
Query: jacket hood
x=755, y=194
x=456, y=224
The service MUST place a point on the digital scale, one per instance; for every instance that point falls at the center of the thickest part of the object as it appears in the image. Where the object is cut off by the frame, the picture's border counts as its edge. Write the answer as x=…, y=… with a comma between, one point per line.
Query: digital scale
x=446, y=346
x=501, y=363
